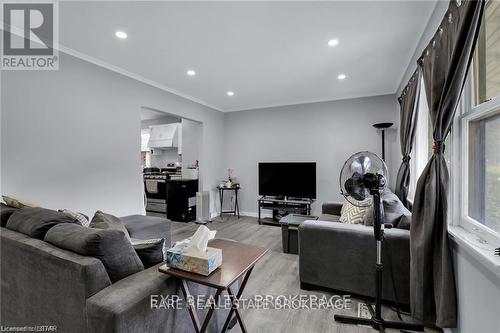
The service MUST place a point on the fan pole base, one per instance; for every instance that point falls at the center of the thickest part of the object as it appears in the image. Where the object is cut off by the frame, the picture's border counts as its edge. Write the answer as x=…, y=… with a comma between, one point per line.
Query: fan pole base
x=378, y=323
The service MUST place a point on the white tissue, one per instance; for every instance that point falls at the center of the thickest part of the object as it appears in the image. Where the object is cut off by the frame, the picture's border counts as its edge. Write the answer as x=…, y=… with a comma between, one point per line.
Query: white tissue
x=199, y=241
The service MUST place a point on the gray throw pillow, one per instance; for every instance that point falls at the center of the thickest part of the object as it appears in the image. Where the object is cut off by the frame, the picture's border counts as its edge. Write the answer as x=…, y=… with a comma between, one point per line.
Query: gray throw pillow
x=110, y=246
x=107, y=221
x=395, y=212
x=36, y=221
x=150, y=251
x=5, y=213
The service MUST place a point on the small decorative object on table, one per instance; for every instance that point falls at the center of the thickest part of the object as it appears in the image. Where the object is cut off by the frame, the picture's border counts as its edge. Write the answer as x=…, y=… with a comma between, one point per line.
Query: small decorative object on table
x=193, y=255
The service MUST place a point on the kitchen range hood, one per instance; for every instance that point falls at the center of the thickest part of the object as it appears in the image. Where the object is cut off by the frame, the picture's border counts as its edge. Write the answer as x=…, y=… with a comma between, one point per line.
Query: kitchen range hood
x=164, y=136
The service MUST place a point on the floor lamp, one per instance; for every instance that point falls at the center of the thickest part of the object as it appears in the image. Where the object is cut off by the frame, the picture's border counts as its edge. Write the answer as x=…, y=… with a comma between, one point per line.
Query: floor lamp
x=383, y=127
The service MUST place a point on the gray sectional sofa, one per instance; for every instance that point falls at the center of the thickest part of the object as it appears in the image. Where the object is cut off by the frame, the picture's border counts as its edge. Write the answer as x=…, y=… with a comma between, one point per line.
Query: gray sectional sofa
x=342, y=256
x=42, y=284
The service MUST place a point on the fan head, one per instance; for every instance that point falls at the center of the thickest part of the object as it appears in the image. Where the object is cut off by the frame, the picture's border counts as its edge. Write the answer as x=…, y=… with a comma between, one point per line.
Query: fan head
x=361, y=173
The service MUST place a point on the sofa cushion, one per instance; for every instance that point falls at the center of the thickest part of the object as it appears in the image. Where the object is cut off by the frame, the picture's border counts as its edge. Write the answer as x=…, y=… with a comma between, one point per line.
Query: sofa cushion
x=36, y=221
x=329, y=218
x=5, y=213
x=110, y=246
x=150, y=251
x=107, y=221
x=147, y=227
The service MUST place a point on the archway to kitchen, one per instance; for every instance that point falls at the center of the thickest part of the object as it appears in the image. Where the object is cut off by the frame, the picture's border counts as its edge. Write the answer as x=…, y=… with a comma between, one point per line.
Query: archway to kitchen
x=170, y=156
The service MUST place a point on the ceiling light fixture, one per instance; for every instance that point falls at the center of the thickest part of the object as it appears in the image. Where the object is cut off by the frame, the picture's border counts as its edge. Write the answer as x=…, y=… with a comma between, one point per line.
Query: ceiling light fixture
x=333, y=42
x=191, y=72
x=121, y=35
x=341, y=76
x=230, y=93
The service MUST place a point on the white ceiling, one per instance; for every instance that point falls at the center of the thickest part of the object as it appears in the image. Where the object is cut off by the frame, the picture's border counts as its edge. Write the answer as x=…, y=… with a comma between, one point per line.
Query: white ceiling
x=268, y=53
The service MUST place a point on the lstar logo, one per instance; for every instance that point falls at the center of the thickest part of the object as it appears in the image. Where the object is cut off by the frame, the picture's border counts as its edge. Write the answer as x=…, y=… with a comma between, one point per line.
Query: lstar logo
x=30, y=34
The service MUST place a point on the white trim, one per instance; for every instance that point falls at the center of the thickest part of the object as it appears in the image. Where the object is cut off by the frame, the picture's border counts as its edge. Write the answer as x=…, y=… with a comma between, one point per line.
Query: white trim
x=465, y=221
x=307, y=101
x=470, y=242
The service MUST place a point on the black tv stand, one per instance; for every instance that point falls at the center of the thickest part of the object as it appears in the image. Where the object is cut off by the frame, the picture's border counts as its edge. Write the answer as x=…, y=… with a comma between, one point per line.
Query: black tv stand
x=288, y=204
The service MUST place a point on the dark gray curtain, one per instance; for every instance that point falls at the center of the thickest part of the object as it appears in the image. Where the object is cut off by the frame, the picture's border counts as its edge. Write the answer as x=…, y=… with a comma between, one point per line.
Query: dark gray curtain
x=408, y=102
x=444, y=64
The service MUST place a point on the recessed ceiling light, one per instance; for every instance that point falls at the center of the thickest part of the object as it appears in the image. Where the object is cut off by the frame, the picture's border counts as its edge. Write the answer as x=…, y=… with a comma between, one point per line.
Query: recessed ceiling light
x=333, y=42
x=230, y=93
x=191, y=72
x=121, y=34
x=341, y=76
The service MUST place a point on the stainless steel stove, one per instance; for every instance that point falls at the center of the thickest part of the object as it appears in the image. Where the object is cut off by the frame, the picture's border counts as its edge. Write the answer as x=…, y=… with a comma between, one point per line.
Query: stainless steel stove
x=156, y=191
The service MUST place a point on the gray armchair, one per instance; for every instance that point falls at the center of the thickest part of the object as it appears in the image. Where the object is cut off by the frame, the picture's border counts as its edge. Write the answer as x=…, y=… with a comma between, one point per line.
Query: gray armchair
x=341, y=256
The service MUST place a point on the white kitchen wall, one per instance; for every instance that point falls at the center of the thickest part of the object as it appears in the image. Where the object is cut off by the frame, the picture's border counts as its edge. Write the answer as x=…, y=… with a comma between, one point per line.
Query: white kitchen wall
x=71, y=138
x=326, y=133
x=191, y=142
x=162, y=157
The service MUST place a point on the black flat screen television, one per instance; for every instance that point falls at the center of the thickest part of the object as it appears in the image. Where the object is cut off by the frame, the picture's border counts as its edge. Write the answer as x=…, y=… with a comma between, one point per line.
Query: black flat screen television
x=291, y=179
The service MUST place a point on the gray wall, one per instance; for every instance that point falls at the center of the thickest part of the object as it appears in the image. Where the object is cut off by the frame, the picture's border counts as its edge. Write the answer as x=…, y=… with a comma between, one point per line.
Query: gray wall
x=326, y=133
x=478, y=294
x=71, y=138
x=431, y=27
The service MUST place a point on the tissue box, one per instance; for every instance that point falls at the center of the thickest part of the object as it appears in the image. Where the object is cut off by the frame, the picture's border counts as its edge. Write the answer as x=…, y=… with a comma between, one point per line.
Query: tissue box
x=180, y=258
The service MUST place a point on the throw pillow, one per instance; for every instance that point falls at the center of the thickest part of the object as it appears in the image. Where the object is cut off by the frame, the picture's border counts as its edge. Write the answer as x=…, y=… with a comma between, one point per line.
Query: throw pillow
x=36, y=221
x=81, y=218
x=107, y=221
x=395, y=212
x=16, y=202
x=6, y=212
x=110, y=246
x=352, y=214
x=150, y=251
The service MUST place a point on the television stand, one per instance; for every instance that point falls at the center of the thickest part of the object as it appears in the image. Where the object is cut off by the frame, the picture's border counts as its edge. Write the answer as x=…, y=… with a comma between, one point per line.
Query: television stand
x=286, y=204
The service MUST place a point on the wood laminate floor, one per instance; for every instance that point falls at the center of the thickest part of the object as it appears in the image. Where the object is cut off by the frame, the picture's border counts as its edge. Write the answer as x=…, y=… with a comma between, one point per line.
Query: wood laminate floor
x=276, y=274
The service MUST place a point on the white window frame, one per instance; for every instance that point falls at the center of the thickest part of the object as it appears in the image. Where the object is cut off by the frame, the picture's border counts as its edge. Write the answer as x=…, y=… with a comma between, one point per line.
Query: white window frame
x=460, y=179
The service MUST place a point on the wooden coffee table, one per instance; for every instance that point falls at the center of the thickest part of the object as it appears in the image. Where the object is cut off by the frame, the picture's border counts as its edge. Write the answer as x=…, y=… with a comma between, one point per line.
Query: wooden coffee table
x=238, y=259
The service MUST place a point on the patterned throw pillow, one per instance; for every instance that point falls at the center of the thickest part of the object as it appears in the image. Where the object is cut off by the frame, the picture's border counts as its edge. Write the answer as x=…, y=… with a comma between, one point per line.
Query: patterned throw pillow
x=16, y=202
x=352, y=214
x=81, y=218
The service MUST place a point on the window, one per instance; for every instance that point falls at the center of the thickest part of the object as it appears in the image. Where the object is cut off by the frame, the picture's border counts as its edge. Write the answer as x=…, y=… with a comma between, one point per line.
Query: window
x=478, y=191
x=487, y=56
x=421, y=147
x=484, y=170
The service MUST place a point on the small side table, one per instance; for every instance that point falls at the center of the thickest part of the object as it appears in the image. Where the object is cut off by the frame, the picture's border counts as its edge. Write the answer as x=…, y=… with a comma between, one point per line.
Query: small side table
x=238, y=260
x=236, y=210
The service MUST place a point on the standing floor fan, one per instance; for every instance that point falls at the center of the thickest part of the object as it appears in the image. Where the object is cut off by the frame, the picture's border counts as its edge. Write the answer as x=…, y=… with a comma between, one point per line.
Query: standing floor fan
x=362, y=180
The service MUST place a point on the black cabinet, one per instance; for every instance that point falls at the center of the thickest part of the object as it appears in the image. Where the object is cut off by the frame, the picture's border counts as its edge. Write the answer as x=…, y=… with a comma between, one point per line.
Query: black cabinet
x=181, y=199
